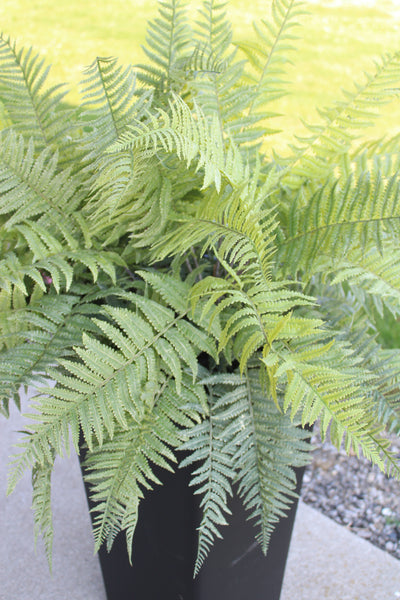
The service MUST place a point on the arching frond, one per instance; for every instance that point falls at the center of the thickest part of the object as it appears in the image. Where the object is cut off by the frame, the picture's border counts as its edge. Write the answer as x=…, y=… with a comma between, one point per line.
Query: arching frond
x=33, y=110
x=341, y=124
x=168, y=37
x=186, y=133
x=269, y=52
x=48, y=330
x=46, y=260
x=108, y=381
x=33, y=186
x=259, y=449
x=120, y=470
x=336, y=217
x=327, y=382
x=351, y=313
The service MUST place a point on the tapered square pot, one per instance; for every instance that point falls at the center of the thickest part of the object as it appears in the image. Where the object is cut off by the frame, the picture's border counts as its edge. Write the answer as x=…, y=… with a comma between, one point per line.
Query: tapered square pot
x=164, y=552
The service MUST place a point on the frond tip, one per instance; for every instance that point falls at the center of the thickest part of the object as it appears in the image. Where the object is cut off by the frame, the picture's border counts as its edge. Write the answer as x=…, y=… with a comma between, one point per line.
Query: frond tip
x=32, y=110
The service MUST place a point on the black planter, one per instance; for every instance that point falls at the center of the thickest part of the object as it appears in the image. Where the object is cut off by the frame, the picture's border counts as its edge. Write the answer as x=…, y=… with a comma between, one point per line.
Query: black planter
x=164, y=551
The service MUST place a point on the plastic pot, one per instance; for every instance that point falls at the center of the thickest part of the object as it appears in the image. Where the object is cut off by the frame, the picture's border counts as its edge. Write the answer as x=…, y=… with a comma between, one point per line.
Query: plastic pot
x=164, y=551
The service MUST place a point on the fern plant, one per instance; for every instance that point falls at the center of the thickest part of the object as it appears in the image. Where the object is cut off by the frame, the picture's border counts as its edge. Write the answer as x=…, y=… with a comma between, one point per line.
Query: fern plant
x=196, y=298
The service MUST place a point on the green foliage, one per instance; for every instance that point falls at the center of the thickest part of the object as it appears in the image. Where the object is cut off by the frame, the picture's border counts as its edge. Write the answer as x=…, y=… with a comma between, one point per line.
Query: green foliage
x=246, y=440
x=328, y=141
x=47, y=328
x=37, y=115
x=167, y=38
x=184, y=292
x=270, y=50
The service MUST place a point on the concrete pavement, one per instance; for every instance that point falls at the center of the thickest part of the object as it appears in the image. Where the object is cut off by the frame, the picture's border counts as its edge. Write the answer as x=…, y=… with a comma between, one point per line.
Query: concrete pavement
x=326, y=561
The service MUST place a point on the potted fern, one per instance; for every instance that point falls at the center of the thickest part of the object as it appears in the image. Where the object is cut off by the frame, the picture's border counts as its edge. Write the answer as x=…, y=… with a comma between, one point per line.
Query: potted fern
x=198, y=301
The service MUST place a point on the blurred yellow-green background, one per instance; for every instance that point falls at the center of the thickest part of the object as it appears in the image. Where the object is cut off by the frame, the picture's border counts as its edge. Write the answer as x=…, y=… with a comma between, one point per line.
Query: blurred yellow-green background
x=339, y=39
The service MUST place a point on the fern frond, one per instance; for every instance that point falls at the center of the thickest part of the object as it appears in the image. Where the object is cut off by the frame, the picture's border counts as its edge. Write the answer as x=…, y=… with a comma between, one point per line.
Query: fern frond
x=331, y=140
x=41, y=506
x=34, y=111
x=265, y=446
x=377, y=274
x=109, y=103
x=243, y=431
x=272, y=446
x=269, y=52
x=329, y=383
x=224, y=91
x=47, y=330
x=33, y=186
x=338, y=215
x=108, y=381
x=187, y=133
x=168, y=38
x=352, y=315
x=213, y=30
x=122, y=469
x=213, y=34
x=45, y=257
x=212, y=478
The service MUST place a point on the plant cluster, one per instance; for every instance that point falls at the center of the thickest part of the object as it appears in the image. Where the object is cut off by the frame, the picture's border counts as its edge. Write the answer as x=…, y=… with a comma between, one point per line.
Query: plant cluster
x=197, y=299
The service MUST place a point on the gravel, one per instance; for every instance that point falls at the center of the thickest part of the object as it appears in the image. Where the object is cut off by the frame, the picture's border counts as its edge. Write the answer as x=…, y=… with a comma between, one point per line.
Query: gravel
x=355, y=494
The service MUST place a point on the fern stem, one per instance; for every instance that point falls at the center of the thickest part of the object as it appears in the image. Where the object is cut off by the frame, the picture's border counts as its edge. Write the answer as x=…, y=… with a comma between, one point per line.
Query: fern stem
x=109, y=103
x=171, y=42
x=189, y=266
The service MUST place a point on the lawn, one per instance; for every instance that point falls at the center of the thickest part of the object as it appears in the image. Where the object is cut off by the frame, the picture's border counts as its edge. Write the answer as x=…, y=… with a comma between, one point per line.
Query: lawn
x=338, y=41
